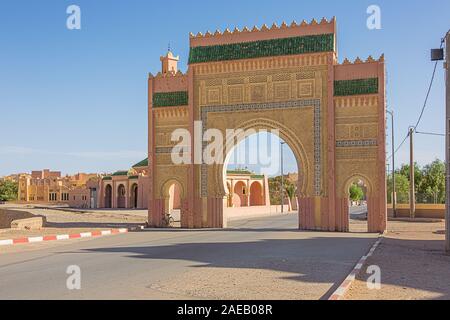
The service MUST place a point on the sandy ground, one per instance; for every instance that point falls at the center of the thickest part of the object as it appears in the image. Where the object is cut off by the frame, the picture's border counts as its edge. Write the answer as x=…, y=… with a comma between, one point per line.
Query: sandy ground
x=65, y=222
x=242, y=284
x=413, y=264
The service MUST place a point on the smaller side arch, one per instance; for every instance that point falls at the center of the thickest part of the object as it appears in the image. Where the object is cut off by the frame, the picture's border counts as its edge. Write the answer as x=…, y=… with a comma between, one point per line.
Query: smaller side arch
x=342, y=210
x=355, y=178
x=164, y=191
x=173, y=197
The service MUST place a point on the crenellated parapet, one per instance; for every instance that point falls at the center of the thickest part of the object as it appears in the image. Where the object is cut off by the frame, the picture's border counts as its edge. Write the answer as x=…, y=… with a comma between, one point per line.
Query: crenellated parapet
x=167, y=75
x=360, y=77
x=358, y=60
x=263, y=32
x=169, y=89
x=283, y=40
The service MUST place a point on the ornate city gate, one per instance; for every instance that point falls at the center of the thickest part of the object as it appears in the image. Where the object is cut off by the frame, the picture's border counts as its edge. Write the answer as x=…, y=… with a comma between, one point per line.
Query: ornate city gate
x=286, y=78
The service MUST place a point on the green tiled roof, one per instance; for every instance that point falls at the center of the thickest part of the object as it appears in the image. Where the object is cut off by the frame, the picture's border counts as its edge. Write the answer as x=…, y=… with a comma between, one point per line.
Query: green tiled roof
x=170, y=99
x=107, y=178
x=239, y=172
x=257, y=176
x=143, y=163
x=133, y=177
x=263, y=48
x=120, y=173
x=356, y=87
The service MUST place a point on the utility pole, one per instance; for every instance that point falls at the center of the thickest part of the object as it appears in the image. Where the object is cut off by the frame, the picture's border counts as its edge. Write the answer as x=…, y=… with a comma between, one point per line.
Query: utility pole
x=438, y=55
x=447, y=192
x=282, y=179
x=394, y=195
x=412, y=197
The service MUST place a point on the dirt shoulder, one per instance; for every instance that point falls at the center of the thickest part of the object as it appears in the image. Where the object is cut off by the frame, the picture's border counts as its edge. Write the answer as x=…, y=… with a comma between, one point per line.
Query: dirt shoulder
x=64, y=222
x=412, y=262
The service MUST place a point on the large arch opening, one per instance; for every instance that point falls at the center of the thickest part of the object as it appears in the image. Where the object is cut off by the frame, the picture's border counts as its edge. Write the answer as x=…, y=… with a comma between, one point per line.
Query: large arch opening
x=121, y=197
x=252, y=178
x=108, y=196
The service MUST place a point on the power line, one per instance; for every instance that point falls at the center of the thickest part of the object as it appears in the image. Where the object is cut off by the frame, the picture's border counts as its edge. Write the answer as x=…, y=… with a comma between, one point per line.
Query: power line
x=423, y=107
x=428, y=95
x=400, y=145
x=431, y=133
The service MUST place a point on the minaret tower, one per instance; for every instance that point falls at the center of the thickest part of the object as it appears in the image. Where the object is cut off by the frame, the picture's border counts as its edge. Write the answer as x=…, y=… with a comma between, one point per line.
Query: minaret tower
x=169, y=63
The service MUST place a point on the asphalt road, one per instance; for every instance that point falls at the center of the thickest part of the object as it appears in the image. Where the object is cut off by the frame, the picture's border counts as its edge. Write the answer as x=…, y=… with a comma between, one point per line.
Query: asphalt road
x=358, y=211
x=140, y=265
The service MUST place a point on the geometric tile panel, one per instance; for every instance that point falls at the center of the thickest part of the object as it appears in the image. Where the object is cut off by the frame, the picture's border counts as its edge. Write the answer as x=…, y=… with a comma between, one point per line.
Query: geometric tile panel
x=356, y=143
x=269, y=106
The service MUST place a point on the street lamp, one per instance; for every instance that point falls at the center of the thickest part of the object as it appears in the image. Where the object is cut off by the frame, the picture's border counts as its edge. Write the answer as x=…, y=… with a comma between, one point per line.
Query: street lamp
x=394, y=198
x=282, y=177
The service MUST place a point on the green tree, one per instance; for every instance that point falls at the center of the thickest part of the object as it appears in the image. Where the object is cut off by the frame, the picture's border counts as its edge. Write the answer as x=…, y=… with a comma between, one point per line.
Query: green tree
x=401, y=188
x=356, y=192
x=418, y=175
x=432, y=188
x=8, y=190
x=290, y=191
x=429, y=183
x=274, y=189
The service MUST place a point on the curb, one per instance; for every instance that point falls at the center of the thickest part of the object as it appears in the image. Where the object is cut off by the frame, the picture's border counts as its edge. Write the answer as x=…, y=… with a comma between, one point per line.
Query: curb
x=346, y=284
x=92, y=234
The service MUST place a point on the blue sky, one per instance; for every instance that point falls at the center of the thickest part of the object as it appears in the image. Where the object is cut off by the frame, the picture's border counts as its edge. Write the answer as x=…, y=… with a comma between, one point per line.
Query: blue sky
x=75, y=100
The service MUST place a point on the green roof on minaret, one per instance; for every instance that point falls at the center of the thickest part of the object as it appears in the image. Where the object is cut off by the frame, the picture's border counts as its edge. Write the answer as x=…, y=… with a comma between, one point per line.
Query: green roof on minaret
x=143, y=163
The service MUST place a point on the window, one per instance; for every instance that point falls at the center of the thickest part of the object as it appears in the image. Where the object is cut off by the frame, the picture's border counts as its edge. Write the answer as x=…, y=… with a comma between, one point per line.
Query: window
x=64, y=196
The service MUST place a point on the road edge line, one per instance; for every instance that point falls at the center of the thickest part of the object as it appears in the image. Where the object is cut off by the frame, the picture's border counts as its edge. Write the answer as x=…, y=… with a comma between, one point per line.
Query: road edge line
x=347, y=283
x=59, y=237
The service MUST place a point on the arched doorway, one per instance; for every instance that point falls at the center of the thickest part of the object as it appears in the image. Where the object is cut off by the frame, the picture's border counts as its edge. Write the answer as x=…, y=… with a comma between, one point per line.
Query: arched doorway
x=256, y=194
x=359, y=207
x=173, y=203
x=108, y=196
x=134, y=196
x=240, y=195
x=121, y=197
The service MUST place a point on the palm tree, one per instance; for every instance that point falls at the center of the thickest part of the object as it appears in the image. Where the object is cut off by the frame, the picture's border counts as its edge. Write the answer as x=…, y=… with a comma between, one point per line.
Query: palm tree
x=290, y=191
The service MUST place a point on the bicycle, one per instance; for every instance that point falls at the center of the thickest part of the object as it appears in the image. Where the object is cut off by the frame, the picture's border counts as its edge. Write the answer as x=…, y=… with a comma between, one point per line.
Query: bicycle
x=168, y=220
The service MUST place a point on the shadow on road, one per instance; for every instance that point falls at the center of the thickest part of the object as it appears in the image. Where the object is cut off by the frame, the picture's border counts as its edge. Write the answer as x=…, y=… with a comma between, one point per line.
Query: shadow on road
x=311, y=260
